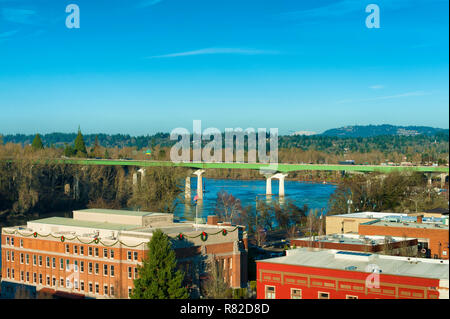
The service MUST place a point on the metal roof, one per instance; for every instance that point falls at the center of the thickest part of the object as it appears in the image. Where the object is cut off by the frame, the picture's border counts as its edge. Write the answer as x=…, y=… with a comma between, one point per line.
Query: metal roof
x=82, y=223
x=391, y=265
x=117, y=212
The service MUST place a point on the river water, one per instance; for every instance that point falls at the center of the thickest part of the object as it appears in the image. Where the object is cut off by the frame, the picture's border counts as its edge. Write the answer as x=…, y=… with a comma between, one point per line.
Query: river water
x=314, y=195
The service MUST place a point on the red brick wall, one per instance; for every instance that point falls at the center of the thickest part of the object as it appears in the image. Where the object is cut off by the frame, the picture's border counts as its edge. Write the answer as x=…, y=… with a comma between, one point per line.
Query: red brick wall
x=438, y=238
x=339, y=284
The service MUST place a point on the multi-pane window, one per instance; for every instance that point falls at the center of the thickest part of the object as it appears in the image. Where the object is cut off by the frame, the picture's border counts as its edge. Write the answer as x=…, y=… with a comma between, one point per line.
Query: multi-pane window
x=97, y=288
x=28, y=276
x=97, y=268
x=90, y=287
x=61, y=263
x=82, y=285
x=21, y=276
x=12, y=273
x=7, y=255
x=135, y=272
x=67, y=248
x=48, y=280
x=40, y=279
x=135, y=255
x=53, y=262
x=7, y=272
x=105, y=290
x=12, y=256
x=40, y=260
x=81, y=266
x=34, y=260
x=75, y=266
x=111, y=273
x=34, y=277
x=90, y=268
x=96, y=251
x=323, y=295
x=105, y=253
x=27, y=259
x=111, y=291
x=61, y=281
x=75, y=249
x=47, y=262
x=111, y=254
x=296, y=293
x=7, y=240
x=105, y=270
x=54, y=281
x=270, y=292
x=129, y=255
x=21, y=258
x=90, y=251
x=129, y=272
x=12, y=241
x=21, y=243
x=81, y=250
x=67, y=264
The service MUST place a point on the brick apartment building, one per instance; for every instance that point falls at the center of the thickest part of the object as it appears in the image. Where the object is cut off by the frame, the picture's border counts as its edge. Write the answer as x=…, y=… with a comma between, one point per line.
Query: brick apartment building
x=97, y=252
x=332, y=274
x=432, y=233
x=360, y=243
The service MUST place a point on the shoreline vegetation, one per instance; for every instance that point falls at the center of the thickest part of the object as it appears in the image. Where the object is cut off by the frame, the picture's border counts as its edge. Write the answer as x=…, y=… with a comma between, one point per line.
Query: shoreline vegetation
x=27, y=188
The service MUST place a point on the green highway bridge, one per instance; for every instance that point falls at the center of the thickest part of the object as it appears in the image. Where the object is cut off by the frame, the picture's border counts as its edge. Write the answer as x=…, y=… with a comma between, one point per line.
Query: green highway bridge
x=270, y=171
x=284, y=168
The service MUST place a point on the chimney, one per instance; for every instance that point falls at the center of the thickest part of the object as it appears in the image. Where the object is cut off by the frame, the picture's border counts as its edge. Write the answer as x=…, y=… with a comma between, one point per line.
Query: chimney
x=419, y=219
x=213, y=220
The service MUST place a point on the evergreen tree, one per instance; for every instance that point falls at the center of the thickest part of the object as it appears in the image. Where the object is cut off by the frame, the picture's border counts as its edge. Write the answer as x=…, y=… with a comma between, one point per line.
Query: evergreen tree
x=37, y=143
x=69, y=151
x=158, y=277
x=80, y=147
x=106, y=154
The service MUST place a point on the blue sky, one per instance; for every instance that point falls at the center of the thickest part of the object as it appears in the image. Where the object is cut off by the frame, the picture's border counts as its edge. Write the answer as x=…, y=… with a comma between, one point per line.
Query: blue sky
x=143, y=66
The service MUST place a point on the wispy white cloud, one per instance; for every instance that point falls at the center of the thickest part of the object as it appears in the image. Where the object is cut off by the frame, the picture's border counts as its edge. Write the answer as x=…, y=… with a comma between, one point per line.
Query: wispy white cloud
x=215, y=51
x=341, y=8
x=21, y=16
x=7, y=34
x=388, y=97
x=147, y=3
x=376, y=87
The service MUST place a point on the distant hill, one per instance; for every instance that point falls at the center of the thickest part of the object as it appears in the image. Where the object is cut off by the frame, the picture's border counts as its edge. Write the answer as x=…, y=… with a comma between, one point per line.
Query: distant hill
x=385, y=129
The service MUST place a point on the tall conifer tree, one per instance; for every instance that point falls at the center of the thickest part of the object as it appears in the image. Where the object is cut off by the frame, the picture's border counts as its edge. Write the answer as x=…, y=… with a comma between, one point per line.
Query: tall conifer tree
x=158, y=276
x=80, y=147
x=37, y=143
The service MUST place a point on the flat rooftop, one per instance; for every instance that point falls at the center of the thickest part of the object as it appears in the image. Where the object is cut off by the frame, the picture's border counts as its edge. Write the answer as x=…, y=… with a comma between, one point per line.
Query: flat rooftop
x=369, y=215
x=406, y=224
x=353, y=239
x=62, y=221
x=342, y=260
x=117, y=212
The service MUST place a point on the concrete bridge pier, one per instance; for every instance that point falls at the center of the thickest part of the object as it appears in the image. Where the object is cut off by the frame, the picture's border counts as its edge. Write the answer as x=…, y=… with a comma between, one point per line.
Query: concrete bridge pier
x=187, y=187
x=443, y=177
x=281, y=178
x=199, y=183
x=269, y=184
x=430, y=183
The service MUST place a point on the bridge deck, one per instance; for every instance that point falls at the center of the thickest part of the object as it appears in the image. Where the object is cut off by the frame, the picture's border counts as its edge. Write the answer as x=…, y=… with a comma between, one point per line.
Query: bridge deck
x=256, y=166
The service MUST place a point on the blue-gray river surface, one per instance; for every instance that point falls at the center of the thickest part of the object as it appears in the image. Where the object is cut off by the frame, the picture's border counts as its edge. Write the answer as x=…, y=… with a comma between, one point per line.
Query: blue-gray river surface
x=314, y=195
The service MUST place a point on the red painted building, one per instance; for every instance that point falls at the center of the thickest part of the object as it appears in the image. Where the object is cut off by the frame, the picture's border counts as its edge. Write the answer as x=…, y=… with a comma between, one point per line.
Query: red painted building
x=331, y=274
